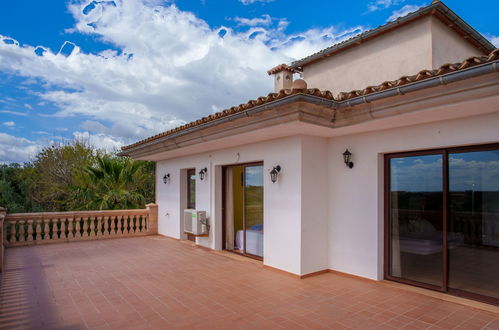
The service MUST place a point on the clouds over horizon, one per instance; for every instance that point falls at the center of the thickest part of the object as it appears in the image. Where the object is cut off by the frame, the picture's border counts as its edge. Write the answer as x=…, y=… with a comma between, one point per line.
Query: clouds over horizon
x=163, y=67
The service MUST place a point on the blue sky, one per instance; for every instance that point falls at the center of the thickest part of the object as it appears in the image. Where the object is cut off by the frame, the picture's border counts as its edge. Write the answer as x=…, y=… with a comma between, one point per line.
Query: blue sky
x=114, y=72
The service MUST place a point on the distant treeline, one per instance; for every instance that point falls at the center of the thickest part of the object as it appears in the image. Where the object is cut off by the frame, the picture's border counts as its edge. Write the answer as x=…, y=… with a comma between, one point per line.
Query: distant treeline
x=76, y=176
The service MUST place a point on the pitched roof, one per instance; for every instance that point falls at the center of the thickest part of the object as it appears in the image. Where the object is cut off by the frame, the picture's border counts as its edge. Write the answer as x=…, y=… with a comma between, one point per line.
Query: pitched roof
x=327, y=95
x=436, y=8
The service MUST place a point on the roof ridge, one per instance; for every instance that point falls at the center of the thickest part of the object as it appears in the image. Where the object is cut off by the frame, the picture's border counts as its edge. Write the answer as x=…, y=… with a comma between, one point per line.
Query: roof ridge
x=326, y=94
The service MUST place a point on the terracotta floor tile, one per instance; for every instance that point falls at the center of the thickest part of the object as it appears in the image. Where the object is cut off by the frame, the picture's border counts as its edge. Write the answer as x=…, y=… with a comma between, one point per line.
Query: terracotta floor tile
x=159, y=283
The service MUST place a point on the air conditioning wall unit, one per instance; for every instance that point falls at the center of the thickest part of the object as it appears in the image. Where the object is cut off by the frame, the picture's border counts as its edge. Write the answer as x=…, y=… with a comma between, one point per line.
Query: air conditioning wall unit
x=195, y=222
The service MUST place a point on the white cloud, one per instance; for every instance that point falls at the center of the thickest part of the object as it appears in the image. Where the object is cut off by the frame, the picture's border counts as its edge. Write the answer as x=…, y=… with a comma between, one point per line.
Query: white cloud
x=17, y=149
x=9, y=123
x=493, y=39
x=99, y=141
x=382, y=4
x=403, y=11
x=16, y=113
x=266, y=20
x=62, y=129
x=170, y=67
x=249, y=2
x=40, y=133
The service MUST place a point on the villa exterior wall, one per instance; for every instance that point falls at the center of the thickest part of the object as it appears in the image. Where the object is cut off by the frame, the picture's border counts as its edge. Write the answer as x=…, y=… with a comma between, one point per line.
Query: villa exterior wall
x=356, y=195
x=282, y=200
x=448, y=46
x=406, y=50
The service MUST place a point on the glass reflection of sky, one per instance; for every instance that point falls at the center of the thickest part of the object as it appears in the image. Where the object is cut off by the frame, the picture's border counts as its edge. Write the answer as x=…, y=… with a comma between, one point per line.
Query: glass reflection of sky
x=478, y=171
x=475, y=171
x=254, y=176
x=416, y=174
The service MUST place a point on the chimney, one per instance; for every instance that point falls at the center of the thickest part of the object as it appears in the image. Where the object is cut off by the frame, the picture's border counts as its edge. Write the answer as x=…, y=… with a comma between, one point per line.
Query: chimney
x=283, y=77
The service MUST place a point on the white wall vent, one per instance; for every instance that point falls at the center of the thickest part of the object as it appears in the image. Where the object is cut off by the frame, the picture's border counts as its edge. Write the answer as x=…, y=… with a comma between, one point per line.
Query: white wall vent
x=195, y=222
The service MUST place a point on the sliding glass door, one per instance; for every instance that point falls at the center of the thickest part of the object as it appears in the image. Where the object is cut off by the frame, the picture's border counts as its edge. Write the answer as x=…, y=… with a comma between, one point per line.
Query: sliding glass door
x=473, y=236
x=416, y=235
x=243, y=209
x=442, y=220
x=253, y=210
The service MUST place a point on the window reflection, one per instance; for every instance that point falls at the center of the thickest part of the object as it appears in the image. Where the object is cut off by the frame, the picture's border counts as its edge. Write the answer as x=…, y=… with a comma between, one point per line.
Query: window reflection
x=473, y=236
x=416, y=218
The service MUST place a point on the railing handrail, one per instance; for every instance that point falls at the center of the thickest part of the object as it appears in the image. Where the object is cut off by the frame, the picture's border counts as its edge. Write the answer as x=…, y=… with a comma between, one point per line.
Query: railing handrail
x=74, y=214
x=18, y=229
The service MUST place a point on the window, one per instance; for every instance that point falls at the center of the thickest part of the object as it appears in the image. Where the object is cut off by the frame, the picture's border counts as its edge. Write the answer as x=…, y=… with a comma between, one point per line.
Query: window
x=191, y=188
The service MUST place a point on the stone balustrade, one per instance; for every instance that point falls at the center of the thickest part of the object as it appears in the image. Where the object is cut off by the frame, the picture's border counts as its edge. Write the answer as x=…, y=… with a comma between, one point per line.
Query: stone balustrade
x=55, y=227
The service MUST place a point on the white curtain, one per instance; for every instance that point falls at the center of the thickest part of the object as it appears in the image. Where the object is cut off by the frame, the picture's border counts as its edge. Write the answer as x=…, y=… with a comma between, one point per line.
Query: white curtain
x=229, y=209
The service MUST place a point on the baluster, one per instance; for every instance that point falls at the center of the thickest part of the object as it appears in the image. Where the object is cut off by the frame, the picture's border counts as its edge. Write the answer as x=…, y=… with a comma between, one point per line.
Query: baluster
x=91, y=221
x=133, y=227
x=139, y=224
x=99, y=227
x=21, y=230
x=78, y=228
x=106, y=225
x=128, y=225
x=146, y=222
x=63, y=229
x=30, y=230
x=38, y=230
x=116, y=225
x=85, y=228
x=70, y=229
x=13, y=231
x=46, y=230
x=119, y=225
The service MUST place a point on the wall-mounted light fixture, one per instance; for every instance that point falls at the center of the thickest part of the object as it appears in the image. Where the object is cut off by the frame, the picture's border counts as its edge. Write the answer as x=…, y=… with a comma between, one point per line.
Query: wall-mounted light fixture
x=166, y=178
x=273, y=174
x=347, y=158
x=202, y=173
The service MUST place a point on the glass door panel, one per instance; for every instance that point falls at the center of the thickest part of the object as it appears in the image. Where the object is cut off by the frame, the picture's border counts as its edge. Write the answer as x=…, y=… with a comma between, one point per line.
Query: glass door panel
x=415, y=219
x=253, y=210
x=473, y=229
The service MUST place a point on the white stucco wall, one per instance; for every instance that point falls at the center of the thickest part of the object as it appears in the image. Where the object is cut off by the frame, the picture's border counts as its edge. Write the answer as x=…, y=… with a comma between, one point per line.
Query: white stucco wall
x=356, y=195
x=282, y=200
x=314, y=210
x=424, y=44
x=448, y=46
x=406, y=50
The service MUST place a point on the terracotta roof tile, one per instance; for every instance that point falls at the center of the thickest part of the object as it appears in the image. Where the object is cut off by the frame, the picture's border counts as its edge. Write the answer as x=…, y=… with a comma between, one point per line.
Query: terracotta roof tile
x=281, y=67
x=343, y=96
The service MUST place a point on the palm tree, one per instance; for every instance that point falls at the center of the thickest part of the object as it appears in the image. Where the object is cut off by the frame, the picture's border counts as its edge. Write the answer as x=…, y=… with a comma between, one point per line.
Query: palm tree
x=113, y=183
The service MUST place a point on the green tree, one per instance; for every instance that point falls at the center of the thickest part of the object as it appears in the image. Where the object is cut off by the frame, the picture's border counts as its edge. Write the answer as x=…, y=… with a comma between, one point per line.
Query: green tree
x=115, y=183
x=56, y=171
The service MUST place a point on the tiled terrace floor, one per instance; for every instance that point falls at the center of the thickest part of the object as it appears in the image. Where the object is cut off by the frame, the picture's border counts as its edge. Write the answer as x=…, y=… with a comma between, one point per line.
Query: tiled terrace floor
x=156, y=283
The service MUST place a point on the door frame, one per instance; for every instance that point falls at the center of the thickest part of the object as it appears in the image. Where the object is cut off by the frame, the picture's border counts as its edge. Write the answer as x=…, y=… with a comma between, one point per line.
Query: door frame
x=445, y=218
x=224, y=201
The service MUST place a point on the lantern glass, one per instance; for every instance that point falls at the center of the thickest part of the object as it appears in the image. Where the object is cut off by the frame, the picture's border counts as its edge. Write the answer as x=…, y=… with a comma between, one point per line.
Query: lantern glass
x=166, y=178
x=202, y=173
x=347, y=158
x=274, y=172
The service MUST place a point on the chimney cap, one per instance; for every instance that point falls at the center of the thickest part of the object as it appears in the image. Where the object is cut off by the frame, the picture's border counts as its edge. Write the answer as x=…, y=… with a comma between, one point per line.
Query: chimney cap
x=281, y=67
x=299, y=84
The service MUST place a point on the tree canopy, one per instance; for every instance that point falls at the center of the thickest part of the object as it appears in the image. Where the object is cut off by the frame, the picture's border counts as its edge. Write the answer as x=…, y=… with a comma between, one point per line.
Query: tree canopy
x=76, y=176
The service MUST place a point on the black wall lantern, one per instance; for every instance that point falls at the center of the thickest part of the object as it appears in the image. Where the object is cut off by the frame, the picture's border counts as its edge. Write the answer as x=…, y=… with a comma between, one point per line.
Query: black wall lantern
x=274, y=172
x=347, y=158
x=166, y=178
x=202, y=173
